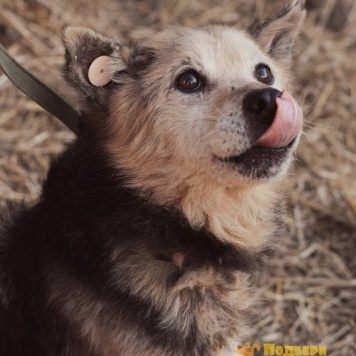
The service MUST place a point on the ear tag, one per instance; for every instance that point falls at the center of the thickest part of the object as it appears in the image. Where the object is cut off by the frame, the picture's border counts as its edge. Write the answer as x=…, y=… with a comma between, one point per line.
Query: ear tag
x=99, y=74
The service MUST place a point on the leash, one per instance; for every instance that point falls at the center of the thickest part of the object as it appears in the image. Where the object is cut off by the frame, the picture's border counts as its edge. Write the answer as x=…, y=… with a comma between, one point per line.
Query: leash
x=39, y=92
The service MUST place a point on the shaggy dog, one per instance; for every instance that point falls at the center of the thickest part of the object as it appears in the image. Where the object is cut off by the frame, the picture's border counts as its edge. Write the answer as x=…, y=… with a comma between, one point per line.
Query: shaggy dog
x=151, y=223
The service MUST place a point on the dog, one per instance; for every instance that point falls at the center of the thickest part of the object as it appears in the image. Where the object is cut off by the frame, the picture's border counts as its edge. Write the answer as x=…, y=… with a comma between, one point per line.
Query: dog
x=151, y=224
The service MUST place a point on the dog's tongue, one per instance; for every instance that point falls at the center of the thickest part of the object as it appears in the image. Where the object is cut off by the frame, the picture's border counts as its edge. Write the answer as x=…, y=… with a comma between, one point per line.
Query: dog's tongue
x=286, y=125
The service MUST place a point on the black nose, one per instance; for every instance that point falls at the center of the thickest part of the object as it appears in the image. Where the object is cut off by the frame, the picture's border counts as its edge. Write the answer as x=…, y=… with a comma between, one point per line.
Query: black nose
x=260, y=105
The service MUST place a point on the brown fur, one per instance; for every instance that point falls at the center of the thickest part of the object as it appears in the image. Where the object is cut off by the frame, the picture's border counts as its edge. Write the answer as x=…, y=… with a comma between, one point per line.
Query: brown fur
x=164, y=141
x=165, y=149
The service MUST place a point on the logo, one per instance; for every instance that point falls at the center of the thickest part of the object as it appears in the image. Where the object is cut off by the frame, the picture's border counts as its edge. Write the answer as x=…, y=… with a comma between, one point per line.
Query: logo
x=247, y=350
x=276, y=350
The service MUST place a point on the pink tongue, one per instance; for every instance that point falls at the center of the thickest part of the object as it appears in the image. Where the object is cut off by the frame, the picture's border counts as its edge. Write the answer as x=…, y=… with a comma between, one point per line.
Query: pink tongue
x=286, y=125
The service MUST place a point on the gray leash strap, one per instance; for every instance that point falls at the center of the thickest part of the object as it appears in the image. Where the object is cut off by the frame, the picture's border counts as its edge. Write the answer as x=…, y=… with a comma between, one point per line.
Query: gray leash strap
x=39, y=92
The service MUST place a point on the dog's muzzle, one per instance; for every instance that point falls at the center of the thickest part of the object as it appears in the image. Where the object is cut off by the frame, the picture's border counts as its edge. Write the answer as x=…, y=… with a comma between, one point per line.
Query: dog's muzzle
x=275, y=118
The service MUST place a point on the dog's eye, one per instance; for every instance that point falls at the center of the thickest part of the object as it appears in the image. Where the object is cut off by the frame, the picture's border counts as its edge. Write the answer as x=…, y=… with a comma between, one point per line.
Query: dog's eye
x=264, y=74
x=189, y=81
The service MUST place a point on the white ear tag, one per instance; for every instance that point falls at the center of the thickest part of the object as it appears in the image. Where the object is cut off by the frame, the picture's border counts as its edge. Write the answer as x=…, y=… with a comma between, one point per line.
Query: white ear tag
x=99, y=74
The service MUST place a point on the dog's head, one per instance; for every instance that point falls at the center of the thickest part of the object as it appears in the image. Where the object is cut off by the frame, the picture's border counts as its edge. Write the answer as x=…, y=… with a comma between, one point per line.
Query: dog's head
x=191, y=105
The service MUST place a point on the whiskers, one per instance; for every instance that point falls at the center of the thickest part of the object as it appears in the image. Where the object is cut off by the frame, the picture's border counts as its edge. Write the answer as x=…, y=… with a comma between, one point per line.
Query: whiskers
x=307, y=123
x=313, y=126
x=206, y=136
x=306, y=107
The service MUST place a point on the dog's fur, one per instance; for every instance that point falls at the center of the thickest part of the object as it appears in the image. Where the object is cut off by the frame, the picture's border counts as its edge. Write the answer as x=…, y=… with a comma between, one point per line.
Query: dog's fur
x=145, y=236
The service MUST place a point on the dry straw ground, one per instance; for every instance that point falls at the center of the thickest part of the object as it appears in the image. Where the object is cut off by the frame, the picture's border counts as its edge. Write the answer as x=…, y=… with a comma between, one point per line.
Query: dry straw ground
x=311, y=294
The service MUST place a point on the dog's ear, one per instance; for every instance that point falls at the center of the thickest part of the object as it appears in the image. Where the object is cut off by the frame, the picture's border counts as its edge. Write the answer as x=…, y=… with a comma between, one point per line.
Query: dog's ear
x=276, y=34
x=96, y=65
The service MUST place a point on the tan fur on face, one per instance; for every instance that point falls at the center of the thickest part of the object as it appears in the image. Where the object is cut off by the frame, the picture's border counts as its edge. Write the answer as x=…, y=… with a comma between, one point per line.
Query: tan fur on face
x=165, y=141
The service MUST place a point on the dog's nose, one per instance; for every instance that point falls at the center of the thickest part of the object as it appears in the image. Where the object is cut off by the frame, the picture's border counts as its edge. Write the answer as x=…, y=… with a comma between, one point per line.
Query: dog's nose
x=260, y=105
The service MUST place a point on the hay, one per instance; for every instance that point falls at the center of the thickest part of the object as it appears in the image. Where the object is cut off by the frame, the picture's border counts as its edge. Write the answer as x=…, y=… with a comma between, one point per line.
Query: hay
x=311, y=298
